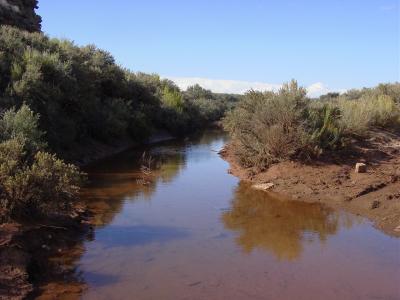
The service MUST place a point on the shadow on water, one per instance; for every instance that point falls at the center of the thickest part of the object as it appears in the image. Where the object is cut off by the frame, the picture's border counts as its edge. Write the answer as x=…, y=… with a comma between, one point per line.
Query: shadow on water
x=263, y=221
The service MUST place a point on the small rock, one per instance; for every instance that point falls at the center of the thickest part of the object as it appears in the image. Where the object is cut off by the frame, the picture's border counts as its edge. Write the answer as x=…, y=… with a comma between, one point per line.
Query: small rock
x=397, y=228
x=361, y=168
x=375, y=204
x=263, y=186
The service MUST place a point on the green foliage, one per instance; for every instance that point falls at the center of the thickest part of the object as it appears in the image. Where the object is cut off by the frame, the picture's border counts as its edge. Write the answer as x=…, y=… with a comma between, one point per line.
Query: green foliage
x=32, y=182
x=82, y=94
x=268, y=127
x=357, y=116
x=324, y=127
x=273, y=126
x=209, y=109
x=197, y=92
x=79, y=92
x=210, y=106
x=23, y=125
x=173, y=98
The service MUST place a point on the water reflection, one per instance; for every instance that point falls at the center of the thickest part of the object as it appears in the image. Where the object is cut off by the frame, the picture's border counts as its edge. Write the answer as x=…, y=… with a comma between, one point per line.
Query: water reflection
x=127, y=236
x=281, y=227
x=181, y=245
x=118, y=179
x=112, y=182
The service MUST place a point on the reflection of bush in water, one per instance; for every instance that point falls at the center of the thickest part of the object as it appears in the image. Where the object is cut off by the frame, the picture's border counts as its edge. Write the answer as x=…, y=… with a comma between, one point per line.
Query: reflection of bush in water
x=116, y=179
x=108, y=190
x=275, y=225
x=171, y=167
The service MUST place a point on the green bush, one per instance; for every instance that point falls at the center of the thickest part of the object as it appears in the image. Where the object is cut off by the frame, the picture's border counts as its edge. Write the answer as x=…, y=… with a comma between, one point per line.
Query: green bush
x=324, y=128
x=268, y=127
x=357, y=116
x=82, y=94
x=22, y=124
x=273, y=126
x=32, y=182
x=210, y=109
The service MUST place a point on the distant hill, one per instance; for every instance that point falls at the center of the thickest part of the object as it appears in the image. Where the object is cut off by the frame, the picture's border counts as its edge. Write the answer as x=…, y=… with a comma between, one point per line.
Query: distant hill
x=20, y=13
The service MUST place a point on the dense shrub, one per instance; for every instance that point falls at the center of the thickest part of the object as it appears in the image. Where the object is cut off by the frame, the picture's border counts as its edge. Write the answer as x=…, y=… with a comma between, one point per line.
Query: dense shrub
x=81, y=93
x=357, y=116
x=267, y=127
x=210, y=106
x=32, y=182
x=23, y=125
x=274, y=126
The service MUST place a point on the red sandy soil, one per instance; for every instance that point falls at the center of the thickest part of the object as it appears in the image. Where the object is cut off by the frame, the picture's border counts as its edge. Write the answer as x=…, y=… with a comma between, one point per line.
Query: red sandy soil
x=331, y=179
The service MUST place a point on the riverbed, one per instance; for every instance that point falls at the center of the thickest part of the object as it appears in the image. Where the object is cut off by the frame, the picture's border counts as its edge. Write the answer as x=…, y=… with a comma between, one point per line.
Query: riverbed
x=190, y=230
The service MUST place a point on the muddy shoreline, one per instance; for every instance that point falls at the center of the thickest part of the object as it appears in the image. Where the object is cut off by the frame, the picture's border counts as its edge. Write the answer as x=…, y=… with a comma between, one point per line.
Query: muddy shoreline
x=332, y=180
x=27, y=251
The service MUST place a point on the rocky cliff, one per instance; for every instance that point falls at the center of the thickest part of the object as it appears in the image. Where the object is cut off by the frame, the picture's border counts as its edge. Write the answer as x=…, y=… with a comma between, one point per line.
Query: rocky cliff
x=20, y=13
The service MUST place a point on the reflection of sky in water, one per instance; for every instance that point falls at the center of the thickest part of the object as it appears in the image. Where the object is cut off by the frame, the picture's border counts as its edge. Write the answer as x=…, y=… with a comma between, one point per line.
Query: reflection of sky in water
x=197, y=233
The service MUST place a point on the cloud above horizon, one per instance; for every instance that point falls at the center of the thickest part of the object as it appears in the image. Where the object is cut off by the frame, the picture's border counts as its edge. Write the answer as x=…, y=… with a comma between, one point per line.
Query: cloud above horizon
x=241, y=87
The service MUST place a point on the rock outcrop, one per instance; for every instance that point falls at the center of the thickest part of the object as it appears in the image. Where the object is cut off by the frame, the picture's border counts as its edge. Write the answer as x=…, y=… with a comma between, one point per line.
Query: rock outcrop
x=21, y=14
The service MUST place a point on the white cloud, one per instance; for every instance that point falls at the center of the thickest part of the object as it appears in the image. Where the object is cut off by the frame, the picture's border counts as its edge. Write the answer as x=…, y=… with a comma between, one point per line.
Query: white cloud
x=317, y=89
x=222, y=85
x=240, y=87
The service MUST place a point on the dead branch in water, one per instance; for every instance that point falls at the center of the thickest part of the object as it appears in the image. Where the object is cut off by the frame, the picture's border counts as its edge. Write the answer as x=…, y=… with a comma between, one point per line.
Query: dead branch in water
x=146, y=169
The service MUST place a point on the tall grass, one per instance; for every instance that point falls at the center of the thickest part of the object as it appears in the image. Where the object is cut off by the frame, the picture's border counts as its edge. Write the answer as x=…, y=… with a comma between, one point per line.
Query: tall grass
x=357, y=116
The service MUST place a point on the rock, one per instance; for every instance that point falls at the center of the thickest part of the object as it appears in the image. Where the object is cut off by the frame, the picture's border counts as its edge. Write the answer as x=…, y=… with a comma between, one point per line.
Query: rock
x=397, y=228
x=361, y=168
x=263, y=186
x=20, y=14
x=375, y=204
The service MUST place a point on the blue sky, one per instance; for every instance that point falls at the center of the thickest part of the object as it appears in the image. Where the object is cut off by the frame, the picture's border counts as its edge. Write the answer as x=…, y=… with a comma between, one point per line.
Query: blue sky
x=233, y=45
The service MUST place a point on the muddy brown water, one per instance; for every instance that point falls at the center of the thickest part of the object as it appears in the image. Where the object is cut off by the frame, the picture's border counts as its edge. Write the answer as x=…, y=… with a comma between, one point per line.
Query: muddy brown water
x=196, y=232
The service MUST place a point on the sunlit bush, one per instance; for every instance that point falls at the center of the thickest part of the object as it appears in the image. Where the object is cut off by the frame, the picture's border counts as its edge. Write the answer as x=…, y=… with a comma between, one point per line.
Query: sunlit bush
x=32, y=182
x=23, y=125
x=357, y=116
x=268, y=127
x=273, y=126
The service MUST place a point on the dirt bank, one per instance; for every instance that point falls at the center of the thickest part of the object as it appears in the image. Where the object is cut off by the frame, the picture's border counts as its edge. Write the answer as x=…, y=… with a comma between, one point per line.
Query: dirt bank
x=332, y=179
x=27, y=252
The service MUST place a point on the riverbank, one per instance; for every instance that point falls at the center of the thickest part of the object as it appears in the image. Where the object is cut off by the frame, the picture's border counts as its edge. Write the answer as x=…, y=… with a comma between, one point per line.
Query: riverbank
x=27, y=250
x=91, y=151
x=332, y=180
